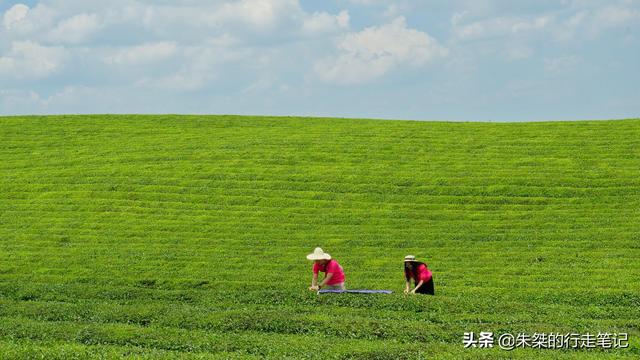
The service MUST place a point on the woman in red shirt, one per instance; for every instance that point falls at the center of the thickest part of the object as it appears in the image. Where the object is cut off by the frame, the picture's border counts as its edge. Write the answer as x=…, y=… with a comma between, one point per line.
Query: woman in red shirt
x=334, y=278
x=421, y=275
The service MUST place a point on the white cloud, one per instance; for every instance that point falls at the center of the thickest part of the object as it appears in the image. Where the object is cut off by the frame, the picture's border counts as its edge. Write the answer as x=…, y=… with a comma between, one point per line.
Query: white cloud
x=615, y=16
x=385, y=9
x=364, y=2
x=28, y=59
x=396, y=9
x=593, y=21
x=14, y=15
x=182, y=81
x=201, y=66
x=257, y=14
x=559, y=65
x=81, y=99
x=69, y=94
x=498, y=27
x=143, y=54
x=77, y=29
x=457, y=17
x=20, y=100
x=324, y=22
x=566, y=30
x=375, y=2
x=375, y=51
x=28, y=24
x=578, y=18
x=76, y=22
x=518, y=52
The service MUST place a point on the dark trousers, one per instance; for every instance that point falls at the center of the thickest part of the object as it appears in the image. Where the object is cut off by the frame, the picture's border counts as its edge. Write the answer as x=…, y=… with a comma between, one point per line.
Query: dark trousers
x=427, y=288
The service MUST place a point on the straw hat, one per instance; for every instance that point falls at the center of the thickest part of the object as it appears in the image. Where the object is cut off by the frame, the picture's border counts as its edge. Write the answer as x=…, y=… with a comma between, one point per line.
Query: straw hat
x=318, y=254
x=409, y=258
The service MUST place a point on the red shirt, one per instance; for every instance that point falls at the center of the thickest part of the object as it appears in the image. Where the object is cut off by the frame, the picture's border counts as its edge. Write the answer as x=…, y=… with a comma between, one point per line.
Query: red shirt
x=332, y=267
x=424, y=274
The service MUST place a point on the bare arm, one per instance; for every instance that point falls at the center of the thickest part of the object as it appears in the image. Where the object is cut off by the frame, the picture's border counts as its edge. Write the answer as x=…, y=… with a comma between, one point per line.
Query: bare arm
x=408, y=282
x=417, y=286
x=406, y=287
x=314, y=283
x=326, y=279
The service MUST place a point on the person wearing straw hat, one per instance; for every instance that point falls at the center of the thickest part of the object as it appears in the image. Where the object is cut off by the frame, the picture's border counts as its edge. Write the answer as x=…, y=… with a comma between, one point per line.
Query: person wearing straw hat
x=334, y=275
x=420, y=274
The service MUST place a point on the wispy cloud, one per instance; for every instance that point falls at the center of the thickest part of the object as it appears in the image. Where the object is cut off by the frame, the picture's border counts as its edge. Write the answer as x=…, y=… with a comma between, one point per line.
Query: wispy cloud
x=28, y=59
x=369, y=54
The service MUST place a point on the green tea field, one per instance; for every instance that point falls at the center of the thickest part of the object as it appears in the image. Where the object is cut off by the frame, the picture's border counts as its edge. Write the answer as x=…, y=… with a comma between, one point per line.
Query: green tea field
x=186, y=236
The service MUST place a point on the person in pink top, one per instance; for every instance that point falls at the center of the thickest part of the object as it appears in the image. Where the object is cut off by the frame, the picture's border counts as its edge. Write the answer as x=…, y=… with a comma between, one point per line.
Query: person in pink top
x=334, y=275
x=420, y=274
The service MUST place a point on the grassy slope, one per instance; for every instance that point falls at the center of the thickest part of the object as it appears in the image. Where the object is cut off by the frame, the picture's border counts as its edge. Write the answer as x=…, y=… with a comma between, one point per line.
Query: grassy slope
x=170, y=235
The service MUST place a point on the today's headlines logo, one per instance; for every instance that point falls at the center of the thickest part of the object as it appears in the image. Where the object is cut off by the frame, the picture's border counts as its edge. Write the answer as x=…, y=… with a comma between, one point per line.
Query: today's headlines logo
x=507, y=341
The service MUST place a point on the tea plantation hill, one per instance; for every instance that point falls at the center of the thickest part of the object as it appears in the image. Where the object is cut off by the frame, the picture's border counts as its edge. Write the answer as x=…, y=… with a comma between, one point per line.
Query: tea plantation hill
x=185, y=236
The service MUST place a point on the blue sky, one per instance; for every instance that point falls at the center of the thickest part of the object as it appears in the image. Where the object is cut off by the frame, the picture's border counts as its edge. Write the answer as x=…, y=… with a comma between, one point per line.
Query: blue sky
x=476, y=60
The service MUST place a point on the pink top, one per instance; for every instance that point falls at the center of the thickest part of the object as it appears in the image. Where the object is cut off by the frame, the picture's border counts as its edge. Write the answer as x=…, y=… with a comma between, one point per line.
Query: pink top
x=424, y=273
x=332, y=267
